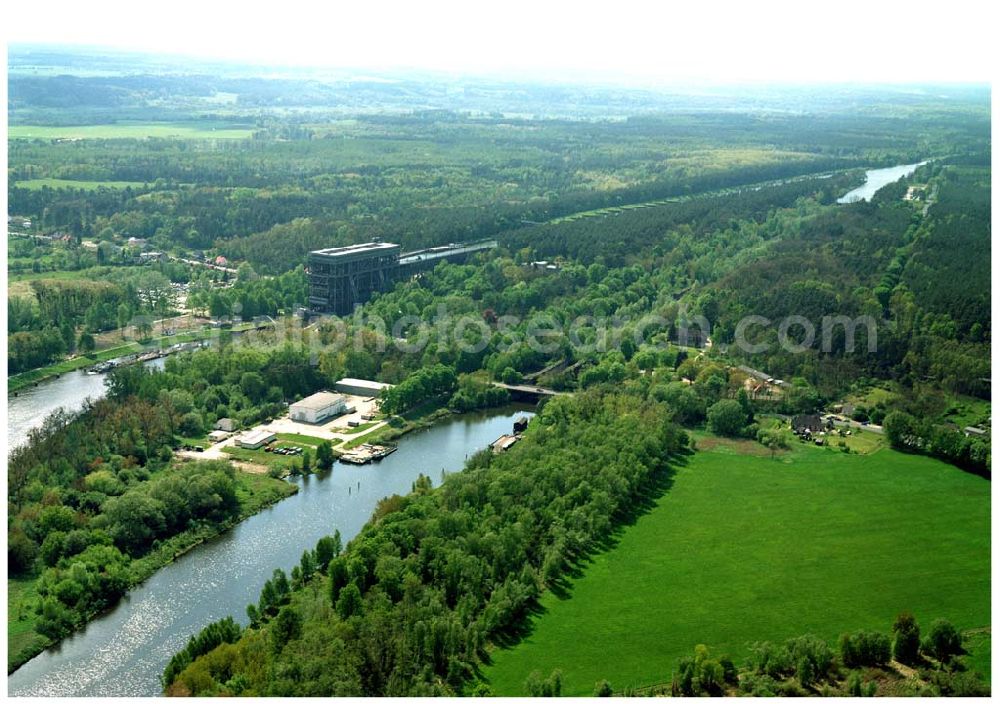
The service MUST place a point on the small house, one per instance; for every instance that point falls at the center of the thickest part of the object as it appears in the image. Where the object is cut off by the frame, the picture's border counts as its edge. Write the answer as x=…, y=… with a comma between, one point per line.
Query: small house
x=217, y=436
x=226, y=424
x=809, y=422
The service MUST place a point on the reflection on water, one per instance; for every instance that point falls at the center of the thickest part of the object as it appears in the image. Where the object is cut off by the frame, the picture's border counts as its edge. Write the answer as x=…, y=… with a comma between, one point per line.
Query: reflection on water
x=32, y=405
x=124, y=652
x=876, y=179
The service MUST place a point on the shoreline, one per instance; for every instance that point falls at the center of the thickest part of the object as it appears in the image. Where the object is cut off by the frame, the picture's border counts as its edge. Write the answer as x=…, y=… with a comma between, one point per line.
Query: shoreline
x=149, y=564
x=424, y=416
x=33, y=377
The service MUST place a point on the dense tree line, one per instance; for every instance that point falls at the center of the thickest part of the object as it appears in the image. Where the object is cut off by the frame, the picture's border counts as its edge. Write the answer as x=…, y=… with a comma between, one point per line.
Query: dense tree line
x=246, y=383
x=87, y=495
x=949, y=269
x=910, y=433
x=873, y=259
x=622, y=237
x=418, y=387
x=87, y=557
x=251, y=295
x=410, y=605
x=808, y=666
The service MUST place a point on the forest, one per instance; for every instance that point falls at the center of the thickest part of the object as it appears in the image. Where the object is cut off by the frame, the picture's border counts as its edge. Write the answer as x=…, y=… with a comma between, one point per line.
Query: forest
x=642, y=215
x=409, y=606
x=90, y=496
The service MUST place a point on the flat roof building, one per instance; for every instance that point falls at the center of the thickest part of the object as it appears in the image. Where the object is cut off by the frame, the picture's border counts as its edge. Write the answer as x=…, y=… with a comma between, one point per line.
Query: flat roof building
x=318, y=407
x=360, y=387
x=503, y=443
x=342, y=277
x=254, y=439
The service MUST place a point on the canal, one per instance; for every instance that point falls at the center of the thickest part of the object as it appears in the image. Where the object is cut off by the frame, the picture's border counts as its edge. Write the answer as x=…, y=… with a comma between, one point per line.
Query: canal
x=123, y=652
x=27, y=408
x=876, y=179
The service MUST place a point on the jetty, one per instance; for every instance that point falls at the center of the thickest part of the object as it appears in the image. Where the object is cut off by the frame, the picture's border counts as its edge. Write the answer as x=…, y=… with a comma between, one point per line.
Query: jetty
x=365, y=453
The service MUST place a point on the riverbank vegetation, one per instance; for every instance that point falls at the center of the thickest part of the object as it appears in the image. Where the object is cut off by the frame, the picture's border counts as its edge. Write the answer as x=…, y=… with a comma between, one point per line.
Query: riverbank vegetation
x=44, y=608
x=97, y=504
x=60, y=315
x=604, y=210
x=410, y=605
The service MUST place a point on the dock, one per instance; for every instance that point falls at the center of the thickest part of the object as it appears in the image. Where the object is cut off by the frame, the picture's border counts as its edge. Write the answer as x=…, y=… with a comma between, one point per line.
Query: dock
x=365, y=453
x=139, y=357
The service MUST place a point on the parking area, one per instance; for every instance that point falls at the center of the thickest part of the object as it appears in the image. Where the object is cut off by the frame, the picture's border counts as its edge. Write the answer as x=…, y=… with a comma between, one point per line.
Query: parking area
x=342, y=428
x=336, y=428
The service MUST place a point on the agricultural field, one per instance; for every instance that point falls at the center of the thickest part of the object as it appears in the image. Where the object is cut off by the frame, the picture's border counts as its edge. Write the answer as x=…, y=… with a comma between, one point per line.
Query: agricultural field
x=132, y=130
x=746, y=548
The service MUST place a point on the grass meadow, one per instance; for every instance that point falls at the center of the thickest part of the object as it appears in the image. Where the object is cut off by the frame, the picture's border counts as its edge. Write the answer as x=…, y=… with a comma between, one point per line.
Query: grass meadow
x=132, y=130
x=744, y=548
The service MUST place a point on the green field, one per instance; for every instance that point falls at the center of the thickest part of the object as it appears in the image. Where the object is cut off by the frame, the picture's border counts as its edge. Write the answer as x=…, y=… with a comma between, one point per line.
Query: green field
x=132, y=130
x=298, y=438
x=39, y=183
x=744, y=548
x=23, y=642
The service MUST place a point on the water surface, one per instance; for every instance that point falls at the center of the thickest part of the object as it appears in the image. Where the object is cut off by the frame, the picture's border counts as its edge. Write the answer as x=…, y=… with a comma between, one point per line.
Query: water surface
x=876, y=179
x=123, y=652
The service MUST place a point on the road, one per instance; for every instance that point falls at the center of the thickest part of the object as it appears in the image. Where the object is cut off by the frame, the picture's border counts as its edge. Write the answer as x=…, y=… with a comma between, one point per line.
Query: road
x=860, y=426
x=195, y=262
x=534, y=390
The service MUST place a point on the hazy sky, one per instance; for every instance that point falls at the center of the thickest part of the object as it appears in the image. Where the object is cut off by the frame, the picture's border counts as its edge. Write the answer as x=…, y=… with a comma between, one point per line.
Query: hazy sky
x=667, y=41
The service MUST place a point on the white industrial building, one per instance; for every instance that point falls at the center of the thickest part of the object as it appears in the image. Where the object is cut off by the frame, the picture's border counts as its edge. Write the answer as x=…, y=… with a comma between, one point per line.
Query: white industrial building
x=254, y=439
x=318, y=407
x=360, y=387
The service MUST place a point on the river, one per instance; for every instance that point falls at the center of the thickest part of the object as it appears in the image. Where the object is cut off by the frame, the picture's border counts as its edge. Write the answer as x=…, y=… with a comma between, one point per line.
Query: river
x=123, y=652
x=27, y=408
x=876, y=179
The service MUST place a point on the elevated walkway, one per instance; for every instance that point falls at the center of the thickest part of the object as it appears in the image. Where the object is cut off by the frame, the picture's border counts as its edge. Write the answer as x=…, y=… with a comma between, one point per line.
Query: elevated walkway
x=448, y=251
